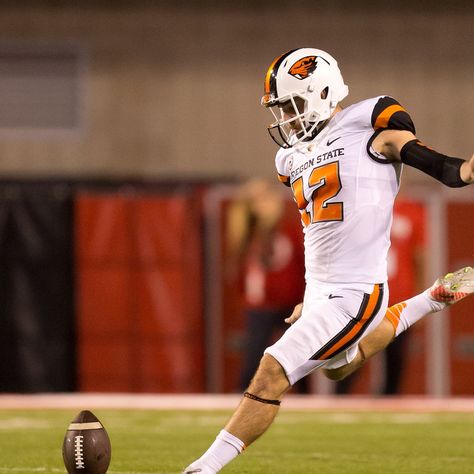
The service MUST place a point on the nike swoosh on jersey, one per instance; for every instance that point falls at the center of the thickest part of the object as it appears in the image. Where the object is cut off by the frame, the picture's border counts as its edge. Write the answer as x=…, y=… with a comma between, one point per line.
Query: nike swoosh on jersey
x=330, y=142
x=331, y=296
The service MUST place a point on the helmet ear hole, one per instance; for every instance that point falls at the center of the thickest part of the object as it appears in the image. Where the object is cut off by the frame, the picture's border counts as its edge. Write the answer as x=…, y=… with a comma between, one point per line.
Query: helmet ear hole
x=325, y=92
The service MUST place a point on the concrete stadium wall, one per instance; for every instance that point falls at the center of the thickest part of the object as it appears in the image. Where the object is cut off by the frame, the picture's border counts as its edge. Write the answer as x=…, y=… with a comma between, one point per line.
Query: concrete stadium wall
x=172, y=89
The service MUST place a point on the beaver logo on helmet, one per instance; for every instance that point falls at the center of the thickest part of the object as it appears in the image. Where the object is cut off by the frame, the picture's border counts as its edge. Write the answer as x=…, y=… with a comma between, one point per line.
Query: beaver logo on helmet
x=303, y=67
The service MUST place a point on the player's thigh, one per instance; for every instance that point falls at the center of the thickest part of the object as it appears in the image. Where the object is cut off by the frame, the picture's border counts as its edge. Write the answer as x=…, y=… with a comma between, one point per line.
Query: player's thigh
x=355, y=357
x=367, y=325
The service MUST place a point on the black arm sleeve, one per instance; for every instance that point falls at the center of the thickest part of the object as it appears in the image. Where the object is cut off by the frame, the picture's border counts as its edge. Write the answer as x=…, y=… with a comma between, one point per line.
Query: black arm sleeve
x=441, y=167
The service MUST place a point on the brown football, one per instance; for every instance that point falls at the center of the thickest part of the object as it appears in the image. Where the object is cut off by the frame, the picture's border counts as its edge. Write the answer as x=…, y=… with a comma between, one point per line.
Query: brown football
x=86, y=447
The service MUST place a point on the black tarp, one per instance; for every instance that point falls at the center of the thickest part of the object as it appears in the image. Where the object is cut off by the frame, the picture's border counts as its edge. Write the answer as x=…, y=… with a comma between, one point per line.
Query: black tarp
x=36, y=288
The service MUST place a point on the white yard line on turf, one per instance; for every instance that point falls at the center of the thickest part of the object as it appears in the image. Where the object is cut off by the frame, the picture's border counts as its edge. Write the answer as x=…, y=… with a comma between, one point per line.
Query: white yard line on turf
x=230, y=401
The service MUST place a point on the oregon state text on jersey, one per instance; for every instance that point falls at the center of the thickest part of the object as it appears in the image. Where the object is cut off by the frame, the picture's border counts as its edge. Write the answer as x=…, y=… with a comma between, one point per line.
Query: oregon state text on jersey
x=345, y=193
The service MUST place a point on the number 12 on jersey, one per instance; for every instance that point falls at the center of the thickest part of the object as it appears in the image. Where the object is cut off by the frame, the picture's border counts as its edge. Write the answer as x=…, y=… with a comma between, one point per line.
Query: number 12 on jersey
x=327, y=182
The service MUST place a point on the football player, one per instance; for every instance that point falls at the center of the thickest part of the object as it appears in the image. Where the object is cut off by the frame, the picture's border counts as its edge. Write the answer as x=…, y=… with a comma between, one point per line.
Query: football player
x=343, y=166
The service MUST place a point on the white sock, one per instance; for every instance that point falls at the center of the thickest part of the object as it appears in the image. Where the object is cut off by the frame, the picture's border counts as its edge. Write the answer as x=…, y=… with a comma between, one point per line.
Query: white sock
x=225, y=448
x=405, y=314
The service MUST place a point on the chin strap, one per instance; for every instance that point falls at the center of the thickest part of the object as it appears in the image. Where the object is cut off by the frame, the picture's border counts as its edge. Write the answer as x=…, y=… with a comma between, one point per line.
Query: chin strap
x=317, y=130
x=261, y=400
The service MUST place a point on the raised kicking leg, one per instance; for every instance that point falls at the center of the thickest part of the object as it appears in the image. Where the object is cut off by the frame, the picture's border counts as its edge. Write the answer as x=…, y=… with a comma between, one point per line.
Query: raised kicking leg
x=253, y=416
x=446, y=290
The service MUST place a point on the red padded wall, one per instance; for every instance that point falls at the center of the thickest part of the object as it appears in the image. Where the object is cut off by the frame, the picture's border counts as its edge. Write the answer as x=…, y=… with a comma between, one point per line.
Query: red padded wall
x=460, y=222
x=140, y=326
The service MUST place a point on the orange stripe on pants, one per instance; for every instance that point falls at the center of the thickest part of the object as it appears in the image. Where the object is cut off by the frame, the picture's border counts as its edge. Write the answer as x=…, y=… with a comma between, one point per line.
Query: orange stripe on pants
x=357, y=329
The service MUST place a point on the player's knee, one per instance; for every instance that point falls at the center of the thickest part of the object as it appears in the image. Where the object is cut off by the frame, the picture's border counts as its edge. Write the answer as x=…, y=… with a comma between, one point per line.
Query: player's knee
x=270, y=379
x=336, y=374
x=345, y=370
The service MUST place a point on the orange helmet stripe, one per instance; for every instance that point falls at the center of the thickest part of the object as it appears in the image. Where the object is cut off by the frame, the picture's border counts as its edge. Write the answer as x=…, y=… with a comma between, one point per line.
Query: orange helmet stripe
x=273, y=67
x=270, y=72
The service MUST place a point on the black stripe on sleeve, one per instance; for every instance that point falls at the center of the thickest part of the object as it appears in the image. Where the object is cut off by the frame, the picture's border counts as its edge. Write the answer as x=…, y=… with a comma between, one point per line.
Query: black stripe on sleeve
x=400, y=120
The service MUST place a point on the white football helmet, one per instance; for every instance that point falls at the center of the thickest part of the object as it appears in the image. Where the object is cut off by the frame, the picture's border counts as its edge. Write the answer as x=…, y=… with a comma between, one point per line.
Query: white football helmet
x=302, y=89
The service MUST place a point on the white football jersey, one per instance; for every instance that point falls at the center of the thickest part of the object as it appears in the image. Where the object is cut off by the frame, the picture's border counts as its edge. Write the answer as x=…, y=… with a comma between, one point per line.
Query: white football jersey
x=345, y=192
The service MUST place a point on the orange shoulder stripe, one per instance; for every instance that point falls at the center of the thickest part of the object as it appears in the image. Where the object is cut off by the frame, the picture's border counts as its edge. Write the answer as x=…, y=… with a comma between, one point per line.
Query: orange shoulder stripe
x=385, y=116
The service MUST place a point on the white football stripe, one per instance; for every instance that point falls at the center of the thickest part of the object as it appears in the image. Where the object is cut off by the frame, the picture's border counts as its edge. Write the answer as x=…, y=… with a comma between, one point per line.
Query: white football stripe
x=93, y=425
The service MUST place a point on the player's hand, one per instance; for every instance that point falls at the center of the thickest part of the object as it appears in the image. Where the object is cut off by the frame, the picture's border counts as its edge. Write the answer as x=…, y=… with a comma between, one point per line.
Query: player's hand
x=467, y=170
x=295, y=315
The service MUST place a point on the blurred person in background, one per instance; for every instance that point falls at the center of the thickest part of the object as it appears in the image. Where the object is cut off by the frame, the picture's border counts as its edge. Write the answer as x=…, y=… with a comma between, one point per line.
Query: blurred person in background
x=265, y=251
x=343, y=166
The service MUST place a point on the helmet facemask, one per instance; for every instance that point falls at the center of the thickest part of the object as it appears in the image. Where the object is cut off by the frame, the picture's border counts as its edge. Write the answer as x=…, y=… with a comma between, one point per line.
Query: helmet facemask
x=295, y=121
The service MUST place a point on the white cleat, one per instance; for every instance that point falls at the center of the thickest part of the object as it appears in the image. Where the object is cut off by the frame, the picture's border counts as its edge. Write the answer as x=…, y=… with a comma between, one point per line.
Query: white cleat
x=453, y=287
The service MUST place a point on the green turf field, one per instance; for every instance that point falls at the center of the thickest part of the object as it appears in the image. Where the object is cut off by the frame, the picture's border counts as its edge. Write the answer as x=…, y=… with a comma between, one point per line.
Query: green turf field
x=299, y=442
